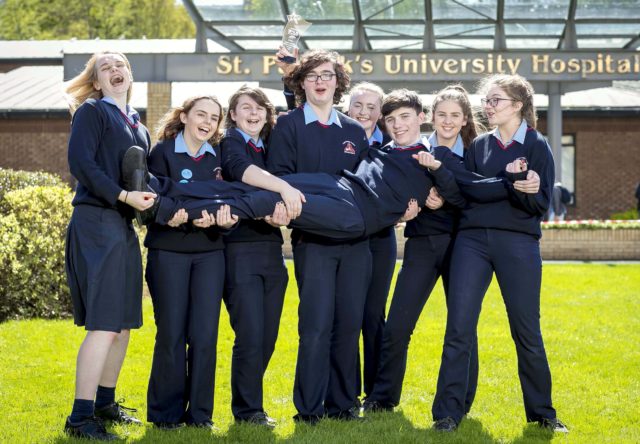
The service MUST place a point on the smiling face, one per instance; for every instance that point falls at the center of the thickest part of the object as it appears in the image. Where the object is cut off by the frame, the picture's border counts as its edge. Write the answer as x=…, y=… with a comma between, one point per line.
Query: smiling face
x=448, y=119
x=249, y=116
x=320, y=93
x=403, y=125
x=113, y=76
x=200, y=122
x=507, y=110
x=365, y=108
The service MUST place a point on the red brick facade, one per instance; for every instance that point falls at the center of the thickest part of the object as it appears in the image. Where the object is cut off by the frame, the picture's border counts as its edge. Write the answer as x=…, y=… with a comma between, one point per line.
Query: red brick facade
x=607, y=156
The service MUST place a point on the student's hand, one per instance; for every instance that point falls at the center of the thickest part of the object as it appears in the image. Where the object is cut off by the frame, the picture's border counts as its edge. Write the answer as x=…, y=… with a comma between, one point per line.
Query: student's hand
x=140, y=200
x=179, y=218
x=518, y=165
x=529, y=186
x=282, y=53
x=224, y=219
x=279, y=218
x=412, y=211
x=427, y=160
x=207, y=220
x=434, y=200
x=293, y=200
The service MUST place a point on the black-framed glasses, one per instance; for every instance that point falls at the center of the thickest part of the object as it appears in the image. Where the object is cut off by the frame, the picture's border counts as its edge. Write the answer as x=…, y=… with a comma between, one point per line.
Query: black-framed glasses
x=493, y=102
x=325, y=76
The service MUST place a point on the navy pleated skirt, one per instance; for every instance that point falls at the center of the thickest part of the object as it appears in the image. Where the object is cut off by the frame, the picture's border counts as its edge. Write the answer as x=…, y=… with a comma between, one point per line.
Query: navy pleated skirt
x=104, y=270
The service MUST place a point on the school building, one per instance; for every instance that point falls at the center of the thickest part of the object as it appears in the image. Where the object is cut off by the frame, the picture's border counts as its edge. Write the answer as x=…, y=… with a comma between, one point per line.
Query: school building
x=581, y=56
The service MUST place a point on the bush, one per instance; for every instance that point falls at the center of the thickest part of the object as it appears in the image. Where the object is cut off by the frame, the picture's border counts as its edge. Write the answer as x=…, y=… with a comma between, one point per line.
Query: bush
x=32, y=243
x=11, y=180
x=631, y=214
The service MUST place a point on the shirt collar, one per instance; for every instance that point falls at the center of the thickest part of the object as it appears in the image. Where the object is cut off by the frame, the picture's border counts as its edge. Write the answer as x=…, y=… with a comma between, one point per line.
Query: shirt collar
x=423, y=140
x=519, y=136
x=457, y=148
x=310, y=116
x=258, y=143
x=376, y=137
x=132, y=115
x=181, y=147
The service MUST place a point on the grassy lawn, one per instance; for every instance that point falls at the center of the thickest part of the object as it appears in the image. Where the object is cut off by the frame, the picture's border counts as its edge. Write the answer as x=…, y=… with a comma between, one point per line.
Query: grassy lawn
x=591, y=327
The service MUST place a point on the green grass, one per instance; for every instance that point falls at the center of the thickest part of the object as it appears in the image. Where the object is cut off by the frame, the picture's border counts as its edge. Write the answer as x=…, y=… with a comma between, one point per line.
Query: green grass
x=591, y=326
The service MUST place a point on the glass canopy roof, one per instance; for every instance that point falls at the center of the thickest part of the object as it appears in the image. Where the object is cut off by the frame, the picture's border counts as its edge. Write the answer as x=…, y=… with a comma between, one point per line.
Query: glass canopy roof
x=415, y=25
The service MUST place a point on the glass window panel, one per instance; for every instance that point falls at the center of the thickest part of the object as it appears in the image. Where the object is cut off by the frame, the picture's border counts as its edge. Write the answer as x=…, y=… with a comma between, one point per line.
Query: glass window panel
x=322, y=10
x=463, y=29
x=239, y=9
x=251, y=30
x=607, y=9
x=468, y=9
x=464, y=44
x=329, y=44
x=602, y=42
x=271, y=45
x=532, y=43
x=539, y=9
x=543, y=29
x=569, y=163
x=406, y=44
x=329, y=30
x=387, y=30
x=587, y=29
x=388, y=9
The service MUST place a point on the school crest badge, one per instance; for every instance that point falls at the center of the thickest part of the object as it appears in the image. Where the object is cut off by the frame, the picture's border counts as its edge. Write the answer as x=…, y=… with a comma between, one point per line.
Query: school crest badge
x=349, y=148
x=217, y=173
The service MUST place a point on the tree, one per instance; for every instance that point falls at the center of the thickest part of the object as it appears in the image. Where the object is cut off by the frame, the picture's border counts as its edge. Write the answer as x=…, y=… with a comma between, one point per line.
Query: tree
x=89, y=19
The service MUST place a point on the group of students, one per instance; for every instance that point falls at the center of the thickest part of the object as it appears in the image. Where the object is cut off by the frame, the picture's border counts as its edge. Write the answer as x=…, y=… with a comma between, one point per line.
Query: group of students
x=214, y=203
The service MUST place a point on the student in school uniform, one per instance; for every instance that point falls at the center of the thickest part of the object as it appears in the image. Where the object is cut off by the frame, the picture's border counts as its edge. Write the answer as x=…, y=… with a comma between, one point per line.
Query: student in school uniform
x=332, y=276
x=501, y=237
x=256, y=277
x=185, y=272
x=364, y=106
x=429, y=242
x=102, y=260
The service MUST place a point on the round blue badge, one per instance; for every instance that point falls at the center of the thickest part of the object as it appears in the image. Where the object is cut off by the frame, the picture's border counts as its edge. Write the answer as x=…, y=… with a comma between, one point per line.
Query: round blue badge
x=186, y=173
x=184, y=181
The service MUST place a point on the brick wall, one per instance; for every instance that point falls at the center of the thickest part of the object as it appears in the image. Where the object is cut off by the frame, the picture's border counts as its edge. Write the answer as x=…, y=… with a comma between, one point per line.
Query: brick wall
x=158, y=103
x=564, y=244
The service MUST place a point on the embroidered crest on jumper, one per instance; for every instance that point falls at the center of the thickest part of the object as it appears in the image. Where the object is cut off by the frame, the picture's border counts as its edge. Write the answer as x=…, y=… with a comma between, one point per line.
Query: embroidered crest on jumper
x=349, y=148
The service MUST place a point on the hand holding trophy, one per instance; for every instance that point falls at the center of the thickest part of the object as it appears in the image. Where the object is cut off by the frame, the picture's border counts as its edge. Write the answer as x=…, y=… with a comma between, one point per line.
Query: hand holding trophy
x=294, y=28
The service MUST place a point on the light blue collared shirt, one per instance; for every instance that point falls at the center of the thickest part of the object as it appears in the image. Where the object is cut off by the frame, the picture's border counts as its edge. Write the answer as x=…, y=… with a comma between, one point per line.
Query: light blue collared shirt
x=457, y=148
x=310, y=116
x=376, y=136
x=181, y=147
x=519, y=136
x=132, y=115
x=423, y=140
x=258, y=143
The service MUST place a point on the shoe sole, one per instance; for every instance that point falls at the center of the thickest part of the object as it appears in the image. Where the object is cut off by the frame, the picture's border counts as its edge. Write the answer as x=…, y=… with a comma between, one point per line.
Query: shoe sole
x=138, y=185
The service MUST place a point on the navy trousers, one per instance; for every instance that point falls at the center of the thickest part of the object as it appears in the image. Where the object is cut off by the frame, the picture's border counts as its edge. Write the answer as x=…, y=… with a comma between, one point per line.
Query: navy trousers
x=515, y=259
x=330, y=209
x=426, y=258
x=332, y=285
x=186, y=289
x=384, y=252
x=256, y=281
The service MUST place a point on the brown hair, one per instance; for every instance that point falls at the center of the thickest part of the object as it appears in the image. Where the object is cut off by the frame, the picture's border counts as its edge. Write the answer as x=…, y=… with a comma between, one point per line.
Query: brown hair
x=457, y=93
x=261, y=99
x=170, y=124
x=401, y=98
x=308, y=62
x=519, y=89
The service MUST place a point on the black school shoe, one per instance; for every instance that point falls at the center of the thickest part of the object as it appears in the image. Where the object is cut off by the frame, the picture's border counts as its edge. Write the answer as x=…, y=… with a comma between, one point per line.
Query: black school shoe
x=307, y=419
x=135, y=177
x=447, y=424
x=553, y=425
x=347, y=415
x=373, y=406
x=89, y=428
x=117, y=413
x=168, y=425
x=260, y=419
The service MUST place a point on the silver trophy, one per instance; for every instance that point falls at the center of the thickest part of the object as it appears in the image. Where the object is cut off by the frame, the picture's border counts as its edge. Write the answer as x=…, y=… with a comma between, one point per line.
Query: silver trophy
x=292, y=32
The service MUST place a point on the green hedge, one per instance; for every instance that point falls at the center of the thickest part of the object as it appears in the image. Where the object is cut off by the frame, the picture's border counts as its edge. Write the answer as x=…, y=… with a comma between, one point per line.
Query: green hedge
x=16, y=180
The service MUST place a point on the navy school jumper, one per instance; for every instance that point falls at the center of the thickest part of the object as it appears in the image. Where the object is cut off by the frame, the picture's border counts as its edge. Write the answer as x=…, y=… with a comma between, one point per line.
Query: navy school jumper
x=500, y=236
x=332, y=276
x=185, y=274
x=426, y=258
x=100, y=224
x=255, y=285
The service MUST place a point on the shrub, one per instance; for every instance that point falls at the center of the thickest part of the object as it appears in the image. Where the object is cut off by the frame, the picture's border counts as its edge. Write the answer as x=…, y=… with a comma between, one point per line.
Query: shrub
x=16, y=180
x=32, y=235
x=626, y=215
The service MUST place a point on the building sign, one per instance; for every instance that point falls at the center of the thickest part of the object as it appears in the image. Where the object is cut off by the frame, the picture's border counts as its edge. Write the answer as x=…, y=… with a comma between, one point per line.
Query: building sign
x=248, y=66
